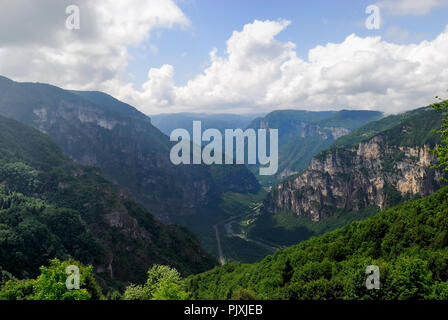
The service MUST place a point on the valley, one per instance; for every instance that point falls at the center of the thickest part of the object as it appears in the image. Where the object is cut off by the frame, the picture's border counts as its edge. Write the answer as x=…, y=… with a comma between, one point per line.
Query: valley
x=270, y=223
x=408, y=243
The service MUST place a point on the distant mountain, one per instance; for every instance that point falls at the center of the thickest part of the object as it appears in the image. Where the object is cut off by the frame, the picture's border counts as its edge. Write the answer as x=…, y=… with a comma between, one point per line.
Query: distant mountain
x=52, y=207
x=96, y=129
x=303, y=134
x=168, y=122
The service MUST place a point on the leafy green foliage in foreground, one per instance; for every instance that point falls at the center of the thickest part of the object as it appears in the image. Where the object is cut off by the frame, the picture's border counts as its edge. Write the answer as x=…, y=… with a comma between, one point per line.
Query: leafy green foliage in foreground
x=51, y=284
x=409, y=244
x=164, y=283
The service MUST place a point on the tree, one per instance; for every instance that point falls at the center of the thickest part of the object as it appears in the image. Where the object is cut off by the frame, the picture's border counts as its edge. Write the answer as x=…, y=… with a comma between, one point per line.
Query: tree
x=163, y=283
x=51, y=284
x=17, y=290
x=244, y=294
x=442, y=149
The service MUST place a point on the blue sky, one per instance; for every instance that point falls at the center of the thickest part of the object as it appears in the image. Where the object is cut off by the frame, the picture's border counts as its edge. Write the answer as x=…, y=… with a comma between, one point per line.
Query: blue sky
x=313, y=23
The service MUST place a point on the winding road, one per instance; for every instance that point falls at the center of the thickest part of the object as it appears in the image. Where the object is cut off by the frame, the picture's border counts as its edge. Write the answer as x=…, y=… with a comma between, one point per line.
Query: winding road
x=229, y=230
x=228, y=227
x=218, y=241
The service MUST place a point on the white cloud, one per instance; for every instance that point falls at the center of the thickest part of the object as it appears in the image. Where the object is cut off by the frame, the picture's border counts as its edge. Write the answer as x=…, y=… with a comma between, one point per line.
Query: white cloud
x=35, y=45
x=260, y=73
x=410, y=7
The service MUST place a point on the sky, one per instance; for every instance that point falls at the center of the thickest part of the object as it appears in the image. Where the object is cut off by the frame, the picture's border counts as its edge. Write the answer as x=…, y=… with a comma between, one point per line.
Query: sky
x=233, y=56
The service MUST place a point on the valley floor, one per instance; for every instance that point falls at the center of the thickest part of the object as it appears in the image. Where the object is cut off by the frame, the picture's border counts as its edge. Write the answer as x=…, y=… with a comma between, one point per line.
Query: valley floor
x=229, y=232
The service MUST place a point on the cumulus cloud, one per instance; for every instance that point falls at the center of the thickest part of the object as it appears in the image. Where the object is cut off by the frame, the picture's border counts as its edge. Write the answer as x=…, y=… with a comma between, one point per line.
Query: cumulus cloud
x=35, y=45
x=260, y=73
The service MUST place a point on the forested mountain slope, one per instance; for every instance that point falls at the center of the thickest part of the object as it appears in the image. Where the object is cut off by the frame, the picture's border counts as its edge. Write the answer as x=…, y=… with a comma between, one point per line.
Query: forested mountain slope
x=52, y=207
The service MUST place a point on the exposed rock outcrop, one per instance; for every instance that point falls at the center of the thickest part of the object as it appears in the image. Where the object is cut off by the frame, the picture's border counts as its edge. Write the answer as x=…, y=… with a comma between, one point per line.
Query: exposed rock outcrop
x=374, y=173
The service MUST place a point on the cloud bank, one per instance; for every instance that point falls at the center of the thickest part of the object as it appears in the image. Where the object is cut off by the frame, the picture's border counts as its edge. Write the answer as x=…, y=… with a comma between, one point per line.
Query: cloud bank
x=256, y=73
x=259, y=73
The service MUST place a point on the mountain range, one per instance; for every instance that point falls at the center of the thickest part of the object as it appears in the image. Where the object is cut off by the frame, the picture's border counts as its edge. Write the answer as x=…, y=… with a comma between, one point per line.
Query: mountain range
x=95, y=129
x=376, y=171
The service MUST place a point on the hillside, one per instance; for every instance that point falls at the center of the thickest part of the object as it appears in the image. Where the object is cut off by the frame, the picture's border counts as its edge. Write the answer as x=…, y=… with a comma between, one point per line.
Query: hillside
x=409, y=244
x=96, y=129
x=303, y=134
x=51, y=207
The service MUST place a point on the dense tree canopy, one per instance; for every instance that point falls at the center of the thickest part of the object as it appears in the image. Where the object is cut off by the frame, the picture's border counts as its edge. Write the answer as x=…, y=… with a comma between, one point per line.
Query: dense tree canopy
x=164, y=283
x=51, y=207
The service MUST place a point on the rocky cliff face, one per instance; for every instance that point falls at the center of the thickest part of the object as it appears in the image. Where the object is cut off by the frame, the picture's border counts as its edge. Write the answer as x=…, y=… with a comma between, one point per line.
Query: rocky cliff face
x=131, y=153
x=374, y=173
x=304, y=129
x=303, y=134
x=298, y=131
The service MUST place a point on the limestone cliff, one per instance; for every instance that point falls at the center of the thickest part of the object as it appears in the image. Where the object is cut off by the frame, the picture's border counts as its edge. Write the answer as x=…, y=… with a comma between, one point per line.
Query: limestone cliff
x=376, y=172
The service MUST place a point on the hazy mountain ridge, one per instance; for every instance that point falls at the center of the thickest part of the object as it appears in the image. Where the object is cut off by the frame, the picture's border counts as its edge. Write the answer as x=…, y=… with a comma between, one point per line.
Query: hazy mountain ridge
x=303, y=134
x=168, y=122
